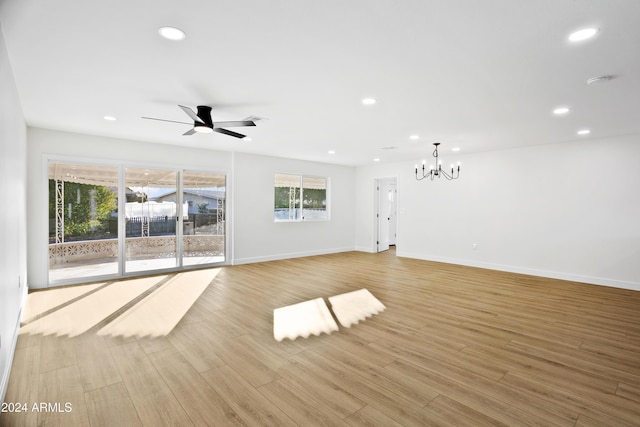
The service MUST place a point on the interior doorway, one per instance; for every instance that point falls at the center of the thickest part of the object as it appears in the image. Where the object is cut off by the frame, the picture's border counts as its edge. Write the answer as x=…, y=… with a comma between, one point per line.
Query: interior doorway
x=386, y=213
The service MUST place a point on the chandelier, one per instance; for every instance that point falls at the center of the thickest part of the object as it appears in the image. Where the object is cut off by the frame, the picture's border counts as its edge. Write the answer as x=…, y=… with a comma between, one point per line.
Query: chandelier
x=436, y=171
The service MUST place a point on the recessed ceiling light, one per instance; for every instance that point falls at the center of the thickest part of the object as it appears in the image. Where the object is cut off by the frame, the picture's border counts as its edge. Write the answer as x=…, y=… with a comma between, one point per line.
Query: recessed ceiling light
x=332, y=151
x=109, y=118
x=584, y=34
x=561, y=110
x=414, y=137
x=369, y=101
x=455, y=149
x=376, y=159
x=172, y=33
x=246, y=138
x=584, y=132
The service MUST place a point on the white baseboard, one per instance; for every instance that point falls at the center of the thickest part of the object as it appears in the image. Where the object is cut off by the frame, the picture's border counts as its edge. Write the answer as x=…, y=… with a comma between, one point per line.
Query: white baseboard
x=277, y=257
x=602, y=281
x=4, y=383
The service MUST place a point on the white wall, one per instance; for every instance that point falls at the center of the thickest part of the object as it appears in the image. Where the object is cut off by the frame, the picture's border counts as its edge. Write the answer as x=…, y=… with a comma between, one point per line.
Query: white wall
x=254, y=236
x=258, y=238
x=13, y=176
x=570, y=211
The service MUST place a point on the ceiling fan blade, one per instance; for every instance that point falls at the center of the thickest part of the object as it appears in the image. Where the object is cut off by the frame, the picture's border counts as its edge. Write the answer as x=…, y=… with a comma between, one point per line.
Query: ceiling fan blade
x=191, y=114
x=164, y=120
x=234, y=124
x=189, y=132
x=229, y=132
x=255, y=118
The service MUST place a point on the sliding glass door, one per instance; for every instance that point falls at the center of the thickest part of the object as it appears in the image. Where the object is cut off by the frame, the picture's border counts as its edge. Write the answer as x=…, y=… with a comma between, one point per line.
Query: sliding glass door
x=114, y=221
x=204, y=195
x=83, y=221
x=152, y=219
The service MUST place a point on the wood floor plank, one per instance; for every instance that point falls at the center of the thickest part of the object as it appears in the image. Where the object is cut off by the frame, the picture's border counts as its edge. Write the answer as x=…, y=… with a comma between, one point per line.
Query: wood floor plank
x=459, y=414
x=198, y=345
x=552, y=373
x=356, y=347
x=250, y=405
x=512, y=410
x=253, y=368
x=324, y=389
x=369, y=416
x=408, y=388
x=629, y=392
x=111, y=405
x=201, y=403
x=23, y=387
x=418, y=353
x=578, y=360
x=62, y=395
x=57, y=352
x=594, y=405
x=96, y=372
x=153, y=400
x=390, y=402
x=584, y=421
x=299, y=405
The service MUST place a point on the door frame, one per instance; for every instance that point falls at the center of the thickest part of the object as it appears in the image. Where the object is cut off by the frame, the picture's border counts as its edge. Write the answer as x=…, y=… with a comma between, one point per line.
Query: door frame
x=377, y=218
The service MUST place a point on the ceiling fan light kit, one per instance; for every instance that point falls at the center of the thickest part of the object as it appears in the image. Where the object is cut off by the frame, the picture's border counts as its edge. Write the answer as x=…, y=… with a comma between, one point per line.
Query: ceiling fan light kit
x=201, y=128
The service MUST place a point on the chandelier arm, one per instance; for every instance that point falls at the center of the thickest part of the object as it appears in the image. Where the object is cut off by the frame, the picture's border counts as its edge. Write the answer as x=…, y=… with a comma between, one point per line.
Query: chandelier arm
x=423, y=176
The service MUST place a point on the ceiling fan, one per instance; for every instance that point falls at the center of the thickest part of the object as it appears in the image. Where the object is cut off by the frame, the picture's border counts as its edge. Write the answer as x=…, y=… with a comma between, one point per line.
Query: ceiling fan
x=203, y=123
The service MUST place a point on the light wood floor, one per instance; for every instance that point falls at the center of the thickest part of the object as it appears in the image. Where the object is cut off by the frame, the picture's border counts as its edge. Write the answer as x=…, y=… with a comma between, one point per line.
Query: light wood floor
x=455, y=346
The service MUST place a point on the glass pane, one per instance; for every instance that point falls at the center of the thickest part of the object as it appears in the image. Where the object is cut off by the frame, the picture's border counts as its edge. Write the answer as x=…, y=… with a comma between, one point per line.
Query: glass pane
x=151, y=216
x=287, y=198
x=314, y=198
x=204, y=226
x=83, y=221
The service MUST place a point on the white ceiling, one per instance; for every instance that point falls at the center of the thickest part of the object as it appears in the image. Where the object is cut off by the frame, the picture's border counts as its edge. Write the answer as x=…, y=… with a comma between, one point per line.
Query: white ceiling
x=479, y=75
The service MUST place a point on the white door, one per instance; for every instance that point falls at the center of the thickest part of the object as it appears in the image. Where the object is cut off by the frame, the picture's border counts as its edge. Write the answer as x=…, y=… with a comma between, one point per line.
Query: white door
x=385, y=193
x=392, y=193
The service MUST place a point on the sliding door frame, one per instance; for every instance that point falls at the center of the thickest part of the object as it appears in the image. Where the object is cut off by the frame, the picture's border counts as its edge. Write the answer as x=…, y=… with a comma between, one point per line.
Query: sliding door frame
x=121, y=244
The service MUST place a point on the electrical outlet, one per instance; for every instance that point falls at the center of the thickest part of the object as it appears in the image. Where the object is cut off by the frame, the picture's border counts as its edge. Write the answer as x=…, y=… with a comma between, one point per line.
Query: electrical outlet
x=475, y=246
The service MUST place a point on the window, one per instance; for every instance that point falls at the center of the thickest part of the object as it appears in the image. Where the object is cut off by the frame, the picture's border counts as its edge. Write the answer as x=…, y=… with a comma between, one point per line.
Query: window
x=300, y=198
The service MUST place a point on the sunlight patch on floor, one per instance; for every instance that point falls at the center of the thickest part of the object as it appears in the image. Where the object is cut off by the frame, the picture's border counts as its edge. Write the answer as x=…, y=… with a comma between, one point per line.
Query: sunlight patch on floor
x=42, y=301
x=83, y=314
x=352, y=307
x=302, y=320
x=157, y=314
